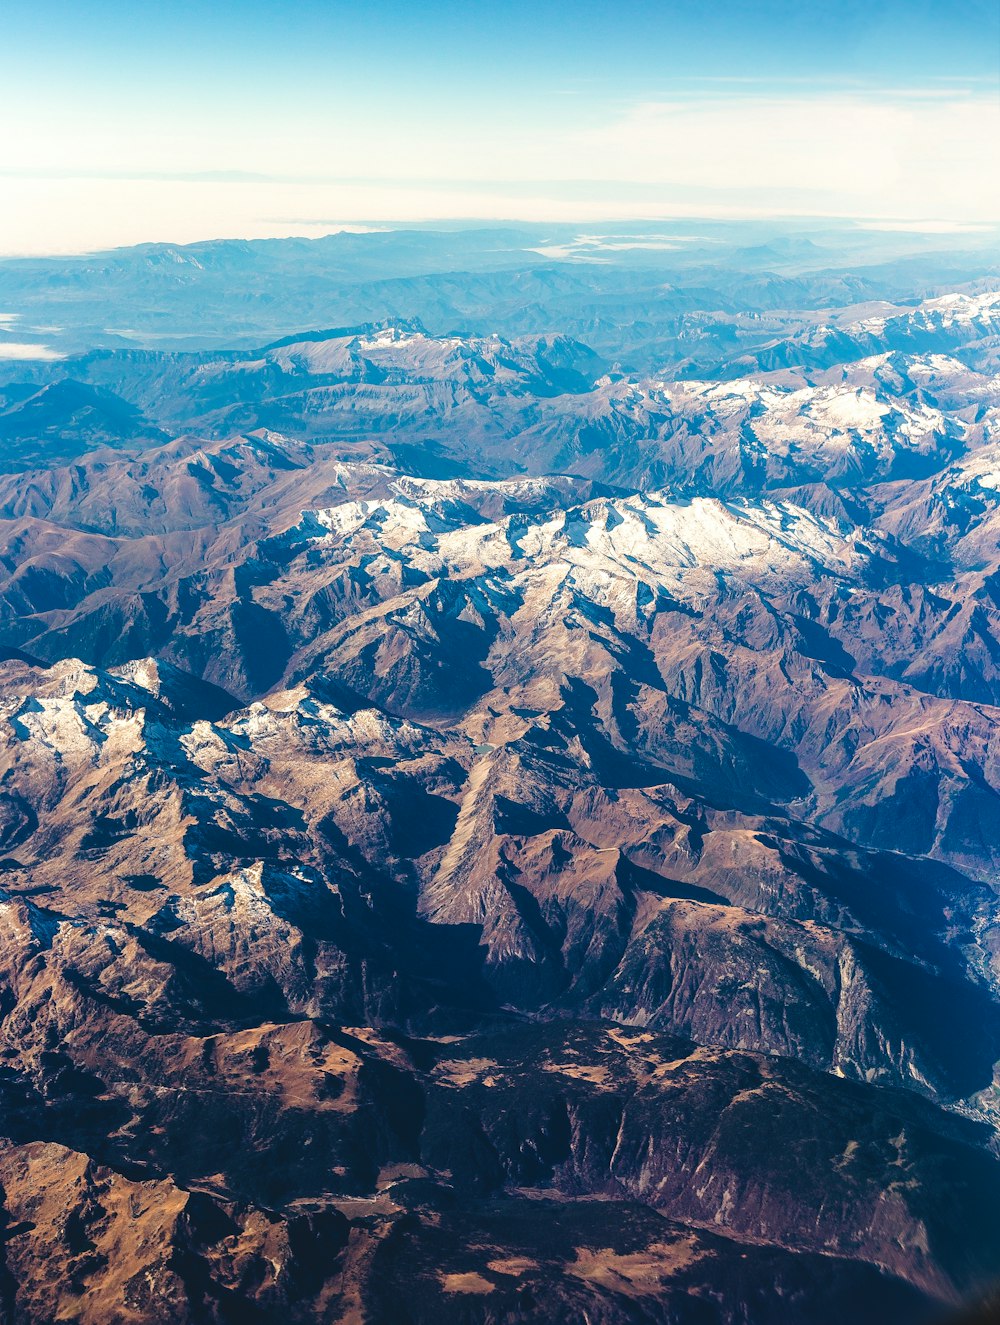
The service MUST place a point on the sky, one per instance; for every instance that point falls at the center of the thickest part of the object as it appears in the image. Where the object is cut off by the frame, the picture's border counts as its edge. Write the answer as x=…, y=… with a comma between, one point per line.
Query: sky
x=189, y=120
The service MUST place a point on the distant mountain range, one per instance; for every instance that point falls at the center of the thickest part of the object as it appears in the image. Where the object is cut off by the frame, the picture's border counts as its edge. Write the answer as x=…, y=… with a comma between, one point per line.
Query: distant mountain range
x=631, y=292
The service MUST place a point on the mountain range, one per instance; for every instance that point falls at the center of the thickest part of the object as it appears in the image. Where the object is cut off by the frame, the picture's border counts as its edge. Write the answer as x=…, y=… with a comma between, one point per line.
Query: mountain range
x=500, y=824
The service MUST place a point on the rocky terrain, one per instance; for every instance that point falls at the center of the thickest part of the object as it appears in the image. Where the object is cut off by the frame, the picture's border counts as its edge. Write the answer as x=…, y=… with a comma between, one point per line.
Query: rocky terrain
x=489, y=833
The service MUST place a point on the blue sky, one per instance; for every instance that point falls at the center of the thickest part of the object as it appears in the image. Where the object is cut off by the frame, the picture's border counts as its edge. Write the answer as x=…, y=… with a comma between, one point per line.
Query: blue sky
x=245, y=117
x=395, y=45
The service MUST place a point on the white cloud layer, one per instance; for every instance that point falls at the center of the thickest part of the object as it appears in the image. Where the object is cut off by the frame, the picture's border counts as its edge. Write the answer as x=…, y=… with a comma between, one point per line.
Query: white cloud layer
x=74, y=185
x=23, y=350
x=901, y=156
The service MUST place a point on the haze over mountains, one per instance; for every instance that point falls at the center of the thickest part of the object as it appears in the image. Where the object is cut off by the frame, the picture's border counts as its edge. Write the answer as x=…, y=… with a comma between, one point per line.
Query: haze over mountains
x=625, y=290
x=500, y=805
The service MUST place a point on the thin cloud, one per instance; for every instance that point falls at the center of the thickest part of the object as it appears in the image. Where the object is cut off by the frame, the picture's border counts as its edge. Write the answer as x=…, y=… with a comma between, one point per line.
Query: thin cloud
x=21, y=350
x=872, y=157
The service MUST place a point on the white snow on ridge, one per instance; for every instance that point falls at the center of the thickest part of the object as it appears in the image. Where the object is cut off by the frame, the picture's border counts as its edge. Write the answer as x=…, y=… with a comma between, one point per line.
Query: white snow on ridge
x=646, y=535
x=389, y=338
x=820, y=419
x=858, y=409
x=959, y=307
x=719, y=535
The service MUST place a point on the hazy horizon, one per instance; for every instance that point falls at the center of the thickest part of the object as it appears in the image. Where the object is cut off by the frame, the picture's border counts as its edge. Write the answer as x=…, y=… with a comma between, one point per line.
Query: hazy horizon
x=240, y=123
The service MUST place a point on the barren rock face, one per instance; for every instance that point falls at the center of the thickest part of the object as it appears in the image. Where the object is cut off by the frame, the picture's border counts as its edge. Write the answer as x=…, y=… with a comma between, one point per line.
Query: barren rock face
x=484, y=838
